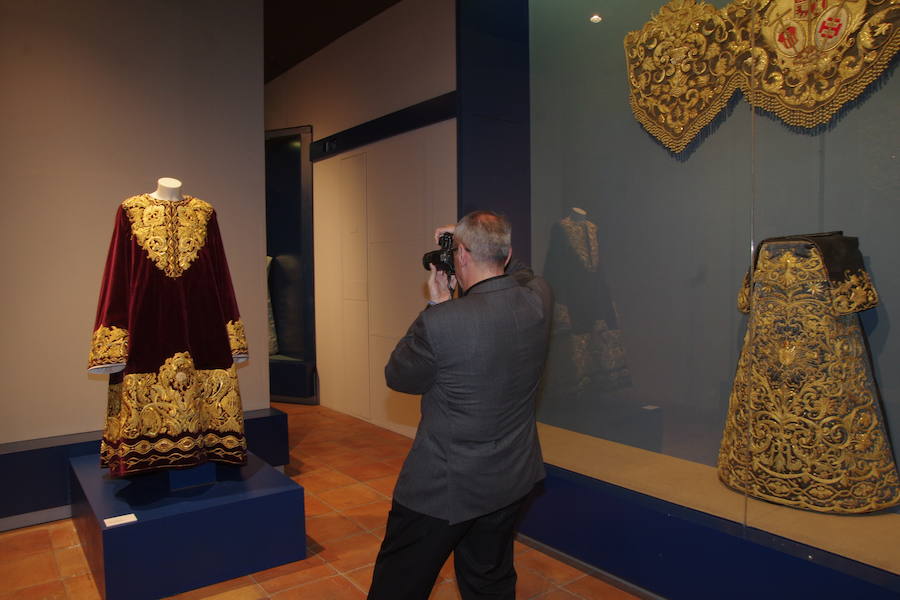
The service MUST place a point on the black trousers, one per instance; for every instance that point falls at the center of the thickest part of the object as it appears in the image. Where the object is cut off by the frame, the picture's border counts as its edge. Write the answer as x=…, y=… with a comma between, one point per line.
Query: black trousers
x=416, y=546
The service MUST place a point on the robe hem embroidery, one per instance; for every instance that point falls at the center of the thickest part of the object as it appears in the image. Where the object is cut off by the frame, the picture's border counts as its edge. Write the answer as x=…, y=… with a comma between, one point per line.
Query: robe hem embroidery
x=178, y=416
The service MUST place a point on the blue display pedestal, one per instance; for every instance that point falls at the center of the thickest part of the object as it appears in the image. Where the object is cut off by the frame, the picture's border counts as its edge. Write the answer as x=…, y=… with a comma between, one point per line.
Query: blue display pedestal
x=143, y=539
x=181, y=479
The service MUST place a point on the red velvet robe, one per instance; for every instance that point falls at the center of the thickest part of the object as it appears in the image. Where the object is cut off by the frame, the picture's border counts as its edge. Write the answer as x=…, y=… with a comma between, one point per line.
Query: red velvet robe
x=168, y=331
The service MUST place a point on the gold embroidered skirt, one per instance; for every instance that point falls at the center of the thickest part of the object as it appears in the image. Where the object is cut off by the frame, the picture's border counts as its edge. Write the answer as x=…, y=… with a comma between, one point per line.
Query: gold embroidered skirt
x=804, y=425
x=178, y=417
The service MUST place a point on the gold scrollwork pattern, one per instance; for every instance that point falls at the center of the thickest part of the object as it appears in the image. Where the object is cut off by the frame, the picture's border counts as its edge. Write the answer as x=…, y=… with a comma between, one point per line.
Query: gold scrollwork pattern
x=599, y=358
x=171, y=233
x=109, y=346
x=804, y=425
x=681, y=69
x=583, y=237
x=799, y=59
x=179, y=416
x=743, y=301
x=236, y=337
x=855, y=293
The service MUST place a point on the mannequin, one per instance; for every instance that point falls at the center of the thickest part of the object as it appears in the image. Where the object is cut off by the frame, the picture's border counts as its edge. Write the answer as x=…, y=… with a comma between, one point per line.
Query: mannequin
x=168, y=188
x=577, y=214
x=586, y=350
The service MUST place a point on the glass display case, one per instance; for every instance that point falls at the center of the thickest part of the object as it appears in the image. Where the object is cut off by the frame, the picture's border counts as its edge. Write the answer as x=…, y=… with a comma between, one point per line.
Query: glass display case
x=647, y=249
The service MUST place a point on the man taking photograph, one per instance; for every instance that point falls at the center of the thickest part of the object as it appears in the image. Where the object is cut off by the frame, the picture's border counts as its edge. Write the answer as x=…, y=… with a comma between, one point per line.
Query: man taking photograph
x=477, y=360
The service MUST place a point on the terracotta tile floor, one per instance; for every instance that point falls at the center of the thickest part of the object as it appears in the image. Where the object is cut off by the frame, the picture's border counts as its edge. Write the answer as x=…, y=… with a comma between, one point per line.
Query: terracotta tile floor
x=348, y=468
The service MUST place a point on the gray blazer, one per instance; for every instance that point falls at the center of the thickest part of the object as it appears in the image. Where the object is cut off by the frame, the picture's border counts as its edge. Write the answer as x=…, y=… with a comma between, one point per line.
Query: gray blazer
x=477, y=361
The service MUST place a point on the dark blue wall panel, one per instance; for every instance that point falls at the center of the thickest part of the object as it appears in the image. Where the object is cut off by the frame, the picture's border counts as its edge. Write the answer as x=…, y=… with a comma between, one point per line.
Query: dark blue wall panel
x=493, y=119
x=677, y=552
x=37, y=471
x=412, y=117
x=37, y=475
x=267, y=435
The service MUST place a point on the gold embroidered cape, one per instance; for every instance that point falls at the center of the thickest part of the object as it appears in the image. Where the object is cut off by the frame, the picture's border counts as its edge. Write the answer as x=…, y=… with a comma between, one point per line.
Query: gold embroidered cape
x=168, y=332
x=804, y=425
x=799, y=59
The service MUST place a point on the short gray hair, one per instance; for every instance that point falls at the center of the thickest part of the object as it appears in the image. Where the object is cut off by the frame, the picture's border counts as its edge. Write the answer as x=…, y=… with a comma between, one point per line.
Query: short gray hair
x=486, y=235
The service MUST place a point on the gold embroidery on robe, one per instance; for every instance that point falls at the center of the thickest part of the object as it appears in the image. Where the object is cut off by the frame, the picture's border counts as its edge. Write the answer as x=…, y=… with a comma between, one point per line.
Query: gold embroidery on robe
x=599, y=358
x=583, y=237
x=804, y=425
x=236, y=337
x=854, y=293
x=561, y=319
x=171, y=233
x=109, y=345
x=799, y=59
x=178, y=416
x=743, y=301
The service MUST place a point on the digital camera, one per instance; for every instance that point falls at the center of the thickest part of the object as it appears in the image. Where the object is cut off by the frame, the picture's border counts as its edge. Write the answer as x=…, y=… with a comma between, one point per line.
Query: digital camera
x=441, y=259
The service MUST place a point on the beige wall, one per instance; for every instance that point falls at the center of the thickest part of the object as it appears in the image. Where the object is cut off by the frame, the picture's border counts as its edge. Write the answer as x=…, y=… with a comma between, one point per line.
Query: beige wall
x=375, y=207
x=376, y=211
x=100, y=98
x=403, y=56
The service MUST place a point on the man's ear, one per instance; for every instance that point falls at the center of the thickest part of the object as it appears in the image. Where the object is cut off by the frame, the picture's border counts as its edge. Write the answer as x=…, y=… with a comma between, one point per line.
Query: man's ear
x=508, y=257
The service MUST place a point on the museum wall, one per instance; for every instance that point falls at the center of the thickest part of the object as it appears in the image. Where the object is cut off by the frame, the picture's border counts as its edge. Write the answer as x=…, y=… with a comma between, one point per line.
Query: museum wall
x=100, y=99
x=376, y=211
x=401, y=57
x=375, y=207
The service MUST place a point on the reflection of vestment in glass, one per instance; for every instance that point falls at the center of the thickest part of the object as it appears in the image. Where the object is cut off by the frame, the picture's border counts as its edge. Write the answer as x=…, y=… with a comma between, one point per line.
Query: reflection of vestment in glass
x=586, y=346
x=167, y=331
x=804, y=425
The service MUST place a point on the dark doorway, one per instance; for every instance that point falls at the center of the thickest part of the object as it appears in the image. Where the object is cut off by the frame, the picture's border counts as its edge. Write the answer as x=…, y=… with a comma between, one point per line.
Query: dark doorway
x=289, y=246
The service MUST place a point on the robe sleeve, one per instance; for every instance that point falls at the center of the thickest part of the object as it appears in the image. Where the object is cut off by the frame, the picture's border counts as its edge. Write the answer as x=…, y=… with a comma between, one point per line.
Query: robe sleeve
x=743, y=299
x=236, y=336
x=109, y=343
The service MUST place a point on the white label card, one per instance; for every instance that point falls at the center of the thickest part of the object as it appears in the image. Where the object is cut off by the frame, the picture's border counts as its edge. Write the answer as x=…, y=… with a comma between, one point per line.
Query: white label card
x=120, y=520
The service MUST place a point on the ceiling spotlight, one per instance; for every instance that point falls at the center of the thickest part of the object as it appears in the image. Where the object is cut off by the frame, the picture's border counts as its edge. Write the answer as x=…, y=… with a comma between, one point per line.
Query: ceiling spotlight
x=596, y=18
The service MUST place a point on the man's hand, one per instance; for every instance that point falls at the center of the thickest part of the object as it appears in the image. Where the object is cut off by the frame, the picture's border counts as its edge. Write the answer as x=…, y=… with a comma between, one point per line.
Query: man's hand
x=440, y=287
x=443, y=229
